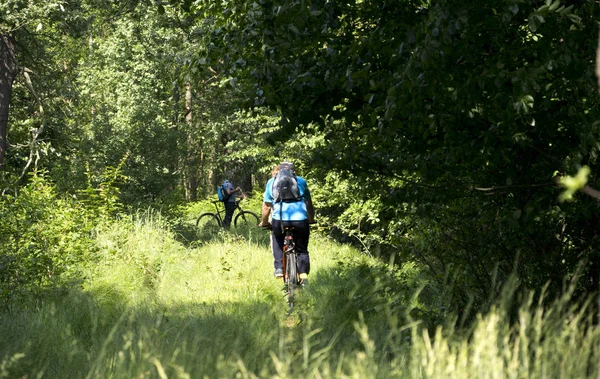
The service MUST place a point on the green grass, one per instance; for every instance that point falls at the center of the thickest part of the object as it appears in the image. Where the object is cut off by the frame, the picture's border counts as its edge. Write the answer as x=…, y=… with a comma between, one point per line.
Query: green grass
x=152, y=307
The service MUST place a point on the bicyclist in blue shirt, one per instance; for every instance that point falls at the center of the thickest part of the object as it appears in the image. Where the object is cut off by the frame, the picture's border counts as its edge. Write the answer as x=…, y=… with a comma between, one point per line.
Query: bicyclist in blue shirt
x=298, y=214
x=230, y=202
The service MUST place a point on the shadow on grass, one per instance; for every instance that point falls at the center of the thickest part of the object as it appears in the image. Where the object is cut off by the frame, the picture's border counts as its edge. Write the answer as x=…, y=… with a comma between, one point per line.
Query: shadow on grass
x=191, y=236
x=99, y=334
x=356, y=294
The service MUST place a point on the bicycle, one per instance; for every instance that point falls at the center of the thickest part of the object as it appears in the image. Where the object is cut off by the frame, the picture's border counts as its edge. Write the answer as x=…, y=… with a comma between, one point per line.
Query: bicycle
x=215, y=219
x=291, y=279
x=290, y=266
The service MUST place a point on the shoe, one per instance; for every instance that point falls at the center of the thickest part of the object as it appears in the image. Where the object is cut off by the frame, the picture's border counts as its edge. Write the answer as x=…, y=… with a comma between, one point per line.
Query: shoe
x=279, y=273
x=303, y=279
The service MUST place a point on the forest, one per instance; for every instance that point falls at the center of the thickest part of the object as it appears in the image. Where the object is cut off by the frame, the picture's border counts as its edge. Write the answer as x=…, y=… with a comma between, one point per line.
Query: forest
x=451, y=149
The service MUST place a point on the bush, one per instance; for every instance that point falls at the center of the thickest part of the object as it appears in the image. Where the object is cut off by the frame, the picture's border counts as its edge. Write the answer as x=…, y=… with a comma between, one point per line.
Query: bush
x=44, y=239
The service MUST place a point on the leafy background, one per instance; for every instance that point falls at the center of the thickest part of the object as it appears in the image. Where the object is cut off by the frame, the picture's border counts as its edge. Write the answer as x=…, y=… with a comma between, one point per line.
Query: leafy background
x=432, y=133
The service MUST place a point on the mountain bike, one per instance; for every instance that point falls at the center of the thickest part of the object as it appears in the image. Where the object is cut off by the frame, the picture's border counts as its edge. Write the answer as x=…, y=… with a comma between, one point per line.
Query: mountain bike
x=214, y=220
x=291, y=278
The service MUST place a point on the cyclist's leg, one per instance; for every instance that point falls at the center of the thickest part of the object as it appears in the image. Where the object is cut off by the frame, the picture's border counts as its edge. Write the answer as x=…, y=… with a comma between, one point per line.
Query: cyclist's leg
x=277, y=244
x=229, y=209
x=301, y=236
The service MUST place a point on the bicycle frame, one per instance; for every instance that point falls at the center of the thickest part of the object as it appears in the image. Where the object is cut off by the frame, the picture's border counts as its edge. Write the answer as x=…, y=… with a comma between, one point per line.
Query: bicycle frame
x=289, y=247
x=220, y=211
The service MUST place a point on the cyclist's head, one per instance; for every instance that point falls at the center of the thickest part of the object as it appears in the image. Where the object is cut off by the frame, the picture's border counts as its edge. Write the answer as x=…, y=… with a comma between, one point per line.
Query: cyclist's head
x=287, y=166
x=275, y=171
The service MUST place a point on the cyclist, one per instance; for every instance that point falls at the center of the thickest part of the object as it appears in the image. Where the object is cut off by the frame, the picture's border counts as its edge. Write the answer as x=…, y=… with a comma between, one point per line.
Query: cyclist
x=298, y=213
x=230, y=202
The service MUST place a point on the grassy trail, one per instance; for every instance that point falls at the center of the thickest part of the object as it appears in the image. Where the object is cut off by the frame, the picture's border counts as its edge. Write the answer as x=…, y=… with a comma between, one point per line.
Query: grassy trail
x=151, y=307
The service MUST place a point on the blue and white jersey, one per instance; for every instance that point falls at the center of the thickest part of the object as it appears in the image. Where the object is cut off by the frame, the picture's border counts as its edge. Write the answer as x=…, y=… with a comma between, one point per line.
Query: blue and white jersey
x=289, y=211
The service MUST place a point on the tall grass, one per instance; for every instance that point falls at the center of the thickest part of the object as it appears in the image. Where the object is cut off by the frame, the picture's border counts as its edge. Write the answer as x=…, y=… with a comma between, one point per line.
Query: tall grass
x=152, y=307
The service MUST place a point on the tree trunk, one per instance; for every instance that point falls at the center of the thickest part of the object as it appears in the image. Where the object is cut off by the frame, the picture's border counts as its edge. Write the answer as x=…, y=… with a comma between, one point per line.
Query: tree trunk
x=191, y=169
x=8, y=72
x=246, y=183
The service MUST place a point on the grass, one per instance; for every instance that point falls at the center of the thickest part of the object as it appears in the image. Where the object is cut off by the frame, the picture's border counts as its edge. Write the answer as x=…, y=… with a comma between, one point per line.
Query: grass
x=153, y=307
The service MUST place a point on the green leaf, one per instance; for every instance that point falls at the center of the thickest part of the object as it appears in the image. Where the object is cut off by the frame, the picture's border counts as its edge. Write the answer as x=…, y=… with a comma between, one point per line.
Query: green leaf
x=573, y=184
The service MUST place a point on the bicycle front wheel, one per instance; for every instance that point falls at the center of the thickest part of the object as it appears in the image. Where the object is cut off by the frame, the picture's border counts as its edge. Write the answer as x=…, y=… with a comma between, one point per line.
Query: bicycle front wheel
x=246, y=218
x=208, y=221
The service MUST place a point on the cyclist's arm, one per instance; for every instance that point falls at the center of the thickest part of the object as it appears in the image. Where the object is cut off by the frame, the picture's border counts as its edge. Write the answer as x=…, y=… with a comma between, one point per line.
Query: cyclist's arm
x=267, y=204
x=311, y=210
x=234, y=191
x=266, y=210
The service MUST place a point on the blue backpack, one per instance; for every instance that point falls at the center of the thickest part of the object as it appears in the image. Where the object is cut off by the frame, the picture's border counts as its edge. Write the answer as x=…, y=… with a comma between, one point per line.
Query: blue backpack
x=222, y=192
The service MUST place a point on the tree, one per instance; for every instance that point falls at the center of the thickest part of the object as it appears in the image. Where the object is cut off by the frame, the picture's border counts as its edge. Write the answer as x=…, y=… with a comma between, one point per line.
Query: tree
x=8, y=72
x=462, y=111
x=35, y=39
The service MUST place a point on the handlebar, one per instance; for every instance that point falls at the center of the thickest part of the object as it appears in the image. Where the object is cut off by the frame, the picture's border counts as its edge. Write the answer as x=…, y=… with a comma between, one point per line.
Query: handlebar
x=270, y=226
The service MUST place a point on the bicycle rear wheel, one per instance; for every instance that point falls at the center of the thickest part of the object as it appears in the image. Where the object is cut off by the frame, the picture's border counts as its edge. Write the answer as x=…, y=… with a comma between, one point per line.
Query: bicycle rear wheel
x=246, y=218
x=292, y=278
x=208, y=222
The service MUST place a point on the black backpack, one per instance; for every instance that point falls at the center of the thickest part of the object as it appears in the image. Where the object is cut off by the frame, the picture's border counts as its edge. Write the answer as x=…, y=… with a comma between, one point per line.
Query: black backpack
x=285, y=186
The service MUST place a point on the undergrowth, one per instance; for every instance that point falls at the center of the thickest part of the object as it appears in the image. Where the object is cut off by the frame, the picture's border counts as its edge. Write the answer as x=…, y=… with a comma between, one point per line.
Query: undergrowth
x=151, y=306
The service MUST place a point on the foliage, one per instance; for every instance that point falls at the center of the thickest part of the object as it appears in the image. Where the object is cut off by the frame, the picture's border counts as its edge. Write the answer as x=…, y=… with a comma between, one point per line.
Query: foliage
x=47, y=239
x=125, y=105
x=430, y=132
x=44, y=241
x=573, y=184
x=104, y=199
x=48, y=41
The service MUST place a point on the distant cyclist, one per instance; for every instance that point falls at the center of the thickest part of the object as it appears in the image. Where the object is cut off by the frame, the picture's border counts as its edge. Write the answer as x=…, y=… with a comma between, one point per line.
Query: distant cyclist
x=229, y=201
x=287, y=198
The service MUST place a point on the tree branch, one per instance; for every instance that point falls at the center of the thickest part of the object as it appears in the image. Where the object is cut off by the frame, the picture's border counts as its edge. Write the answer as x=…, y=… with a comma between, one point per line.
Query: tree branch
x=591, y=192
x=598, y=66
x=478, y=189
x=34, y=151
